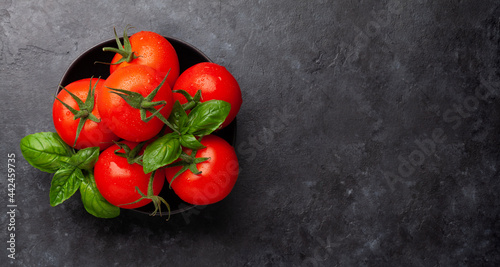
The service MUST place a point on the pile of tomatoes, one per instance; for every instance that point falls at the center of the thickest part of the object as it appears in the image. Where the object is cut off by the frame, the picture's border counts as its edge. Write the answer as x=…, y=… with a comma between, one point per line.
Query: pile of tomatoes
x=121, y=139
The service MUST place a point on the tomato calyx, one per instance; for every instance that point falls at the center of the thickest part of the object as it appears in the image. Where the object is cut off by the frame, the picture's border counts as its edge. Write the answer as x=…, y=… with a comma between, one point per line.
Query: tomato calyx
x=132, y=155
x=125, y=49
x=192, y=101
x=143, y=104
x=85, y=108
x=188, y=162
x=155, y=199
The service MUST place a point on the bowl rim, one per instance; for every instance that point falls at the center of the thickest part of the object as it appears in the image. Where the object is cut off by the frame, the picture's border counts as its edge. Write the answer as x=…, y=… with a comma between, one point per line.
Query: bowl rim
x=74, y=62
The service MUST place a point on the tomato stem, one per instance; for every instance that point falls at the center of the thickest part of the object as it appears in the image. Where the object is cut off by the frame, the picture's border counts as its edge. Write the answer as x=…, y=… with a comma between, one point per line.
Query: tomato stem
x=157, y=200
x=144, y=104
x=85, y=108
x=124, y=50
x=188, y=162
x=132, y=155
x=191, y=101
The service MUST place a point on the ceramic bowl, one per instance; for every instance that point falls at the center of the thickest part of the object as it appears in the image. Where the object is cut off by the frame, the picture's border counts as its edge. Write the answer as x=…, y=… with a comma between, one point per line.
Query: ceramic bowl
x=85, y=67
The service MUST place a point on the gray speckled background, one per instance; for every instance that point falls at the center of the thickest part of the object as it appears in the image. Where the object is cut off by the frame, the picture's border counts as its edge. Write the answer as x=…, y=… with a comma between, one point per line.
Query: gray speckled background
x=369, y=133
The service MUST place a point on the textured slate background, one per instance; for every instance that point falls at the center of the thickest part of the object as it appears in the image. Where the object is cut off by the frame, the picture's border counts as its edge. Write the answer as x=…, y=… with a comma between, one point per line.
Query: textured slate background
x=369, y=133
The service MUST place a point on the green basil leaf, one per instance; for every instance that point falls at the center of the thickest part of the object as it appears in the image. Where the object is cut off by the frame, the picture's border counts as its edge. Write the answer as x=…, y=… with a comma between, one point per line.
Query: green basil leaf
x=94, y=202
x=64, y=184
x=161, y=152
x=45, y=151
x=178, y=117
x=207, y=116
x=86, y=158
x=190, y=141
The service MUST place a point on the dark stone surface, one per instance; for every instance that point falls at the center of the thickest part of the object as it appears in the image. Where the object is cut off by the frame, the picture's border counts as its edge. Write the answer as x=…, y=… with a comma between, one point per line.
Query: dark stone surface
x=369, y=134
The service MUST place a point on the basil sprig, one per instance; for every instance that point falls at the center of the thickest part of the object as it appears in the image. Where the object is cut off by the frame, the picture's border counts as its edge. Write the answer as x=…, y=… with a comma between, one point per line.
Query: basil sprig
x=72, y=170
x=161, y=152
x=67, y=179
x=64, y=184
x=45, y=151
x=202, y=120
x=207, y=116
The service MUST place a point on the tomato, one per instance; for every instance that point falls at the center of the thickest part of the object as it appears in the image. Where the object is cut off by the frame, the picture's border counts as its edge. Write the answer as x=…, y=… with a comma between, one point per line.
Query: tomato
x=153, y=50
x=117, y=180
x=215, y=82
x=218, y=174
x=125, y=120
x=93, y=133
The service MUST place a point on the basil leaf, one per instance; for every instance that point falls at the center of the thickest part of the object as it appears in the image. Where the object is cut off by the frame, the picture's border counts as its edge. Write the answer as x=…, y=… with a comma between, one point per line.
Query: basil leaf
x=85, y=158
x=94, y=202
x=189, y=141
x=64, y=184
x=207, y=116
x=45, y=151
x=161, y=152
x=178, y=117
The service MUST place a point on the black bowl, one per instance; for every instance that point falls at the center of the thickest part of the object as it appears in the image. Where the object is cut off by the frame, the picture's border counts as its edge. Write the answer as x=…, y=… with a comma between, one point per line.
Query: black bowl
x=85, y=67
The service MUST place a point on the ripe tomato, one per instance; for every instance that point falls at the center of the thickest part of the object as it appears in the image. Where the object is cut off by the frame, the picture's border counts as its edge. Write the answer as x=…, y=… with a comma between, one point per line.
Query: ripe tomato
x=218, y=174
x=117, y=180
x=215, y=82
x=93, y=133
x=153, y=50
x=125, y=120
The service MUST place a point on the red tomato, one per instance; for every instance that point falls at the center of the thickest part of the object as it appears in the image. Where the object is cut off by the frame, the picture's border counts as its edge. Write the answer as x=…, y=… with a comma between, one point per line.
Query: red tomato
x=152, y=50
x=125, y=120
x=92, y=133
x=117, y=180
x=217, y=178
x=215, y=82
